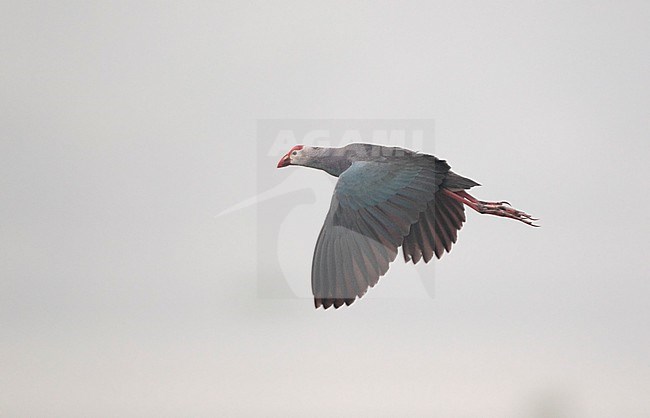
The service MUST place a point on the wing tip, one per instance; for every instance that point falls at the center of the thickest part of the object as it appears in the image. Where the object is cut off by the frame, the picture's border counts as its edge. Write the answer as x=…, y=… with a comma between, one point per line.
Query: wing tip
x=326, y=303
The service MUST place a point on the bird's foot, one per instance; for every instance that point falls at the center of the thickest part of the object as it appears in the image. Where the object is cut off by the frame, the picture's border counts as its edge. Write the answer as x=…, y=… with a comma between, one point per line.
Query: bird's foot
x=500, y=209
x=503, y=202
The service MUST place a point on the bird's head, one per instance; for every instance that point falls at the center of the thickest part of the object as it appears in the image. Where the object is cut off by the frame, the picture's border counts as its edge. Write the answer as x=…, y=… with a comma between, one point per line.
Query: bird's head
x=295, y=156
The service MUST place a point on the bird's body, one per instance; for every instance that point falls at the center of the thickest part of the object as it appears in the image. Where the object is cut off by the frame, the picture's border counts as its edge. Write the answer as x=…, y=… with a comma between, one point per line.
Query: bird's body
x=386, y=197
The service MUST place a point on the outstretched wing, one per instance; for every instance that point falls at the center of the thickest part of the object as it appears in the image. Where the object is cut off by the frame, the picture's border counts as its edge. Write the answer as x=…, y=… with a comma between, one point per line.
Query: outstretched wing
x=372, y=210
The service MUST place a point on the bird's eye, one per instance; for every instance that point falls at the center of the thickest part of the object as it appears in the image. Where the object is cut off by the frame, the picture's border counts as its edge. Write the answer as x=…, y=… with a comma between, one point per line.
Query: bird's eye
x=294, y=153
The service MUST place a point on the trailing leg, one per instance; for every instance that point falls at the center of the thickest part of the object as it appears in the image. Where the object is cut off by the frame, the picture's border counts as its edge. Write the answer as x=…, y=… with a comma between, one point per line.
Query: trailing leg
x=502, y=209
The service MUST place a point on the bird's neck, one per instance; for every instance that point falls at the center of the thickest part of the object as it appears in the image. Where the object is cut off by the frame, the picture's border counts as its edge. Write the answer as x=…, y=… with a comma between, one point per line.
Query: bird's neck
x=331, y=160
x=334, y=166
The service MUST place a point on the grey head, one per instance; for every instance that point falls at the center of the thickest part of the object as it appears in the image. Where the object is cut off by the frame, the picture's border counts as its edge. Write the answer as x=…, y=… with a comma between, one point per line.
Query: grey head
x=336, y=160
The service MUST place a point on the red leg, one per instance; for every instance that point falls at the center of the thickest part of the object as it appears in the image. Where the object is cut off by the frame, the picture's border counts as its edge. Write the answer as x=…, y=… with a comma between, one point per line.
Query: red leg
x=491, y=208
x=474, y=200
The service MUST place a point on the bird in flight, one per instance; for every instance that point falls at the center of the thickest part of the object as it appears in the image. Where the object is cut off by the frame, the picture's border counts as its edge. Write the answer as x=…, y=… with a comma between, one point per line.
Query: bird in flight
x=385, y=197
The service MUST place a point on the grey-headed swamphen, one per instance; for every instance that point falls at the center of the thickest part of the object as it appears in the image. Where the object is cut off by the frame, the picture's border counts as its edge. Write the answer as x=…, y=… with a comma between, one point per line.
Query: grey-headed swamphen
x=385, y=197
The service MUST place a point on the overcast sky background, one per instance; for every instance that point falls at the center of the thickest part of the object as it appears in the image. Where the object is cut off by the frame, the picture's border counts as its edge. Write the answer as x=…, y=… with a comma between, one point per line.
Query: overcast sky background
x=125, y=128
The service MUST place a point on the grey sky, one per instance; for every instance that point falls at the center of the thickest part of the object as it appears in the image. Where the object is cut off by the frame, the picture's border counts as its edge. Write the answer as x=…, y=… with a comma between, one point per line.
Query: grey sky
x=127, y=126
